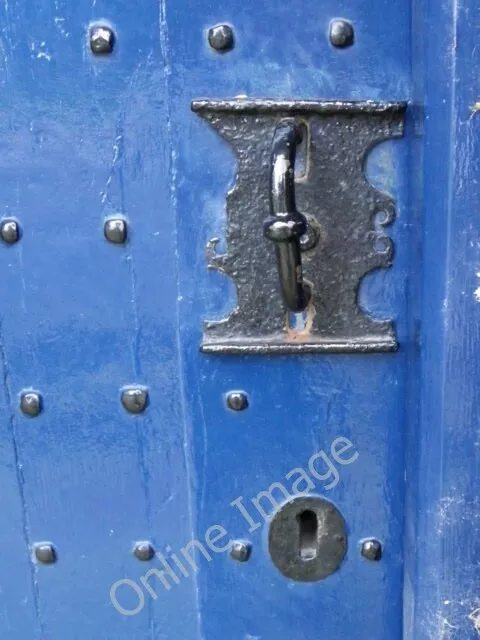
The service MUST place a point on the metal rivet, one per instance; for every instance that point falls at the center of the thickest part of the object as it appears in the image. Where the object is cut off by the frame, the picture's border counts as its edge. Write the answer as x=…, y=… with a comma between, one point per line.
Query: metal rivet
x=372, y=549
x=9, y=231
x=237, y=400
x=381, y=244
x=221, y=38
x=341, y=33
x=240, y=550
x=102, y=39
x=135, y=400
x=115, y=230
x=144, y=551
x=310, y=238
x=31, y=403
x=383, y=218
x=45, y=553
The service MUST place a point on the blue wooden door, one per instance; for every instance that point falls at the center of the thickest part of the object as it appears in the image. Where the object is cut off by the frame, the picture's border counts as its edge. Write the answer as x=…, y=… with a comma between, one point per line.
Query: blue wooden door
x=136, y=498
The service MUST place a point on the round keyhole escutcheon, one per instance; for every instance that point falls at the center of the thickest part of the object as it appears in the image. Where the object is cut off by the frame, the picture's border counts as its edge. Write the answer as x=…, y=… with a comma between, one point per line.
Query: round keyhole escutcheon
x=307, y=539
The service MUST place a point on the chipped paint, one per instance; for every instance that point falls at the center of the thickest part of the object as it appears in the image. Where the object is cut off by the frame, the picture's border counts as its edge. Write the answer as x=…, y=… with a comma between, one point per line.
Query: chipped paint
x=474, y=617
x=303, y=320
x=476, y=293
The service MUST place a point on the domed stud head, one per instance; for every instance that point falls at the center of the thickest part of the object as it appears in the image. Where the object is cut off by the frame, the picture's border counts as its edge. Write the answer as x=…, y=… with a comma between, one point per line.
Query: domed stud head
x=237, y=400
x=134, y=399
x=240, y=550
x=341, y=33
x=144, y=551
x=102, y=39
x=221, y=38
x=45, y=553
x=31, y=403
x=115, y=230
x=372, y=550
x=9, y=231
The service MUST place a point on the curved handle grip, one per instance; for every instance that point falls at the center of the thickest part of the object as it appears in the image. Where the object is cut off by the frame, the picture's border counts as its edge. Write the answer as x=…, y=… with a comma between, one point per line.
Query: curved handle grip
x=285, y=224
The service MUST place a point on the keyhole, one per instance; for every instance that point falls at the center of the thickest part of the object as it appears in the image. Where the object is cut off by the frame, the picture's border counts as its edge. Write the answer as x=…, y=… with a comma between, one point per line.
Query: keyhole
x=308, y=527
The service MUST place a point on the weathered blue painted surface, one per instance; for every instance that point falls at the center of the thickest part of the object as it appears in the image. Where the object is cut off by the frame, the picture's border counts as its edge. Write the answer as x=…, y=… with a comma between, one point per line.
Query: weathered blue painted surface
x=444, y=444
x=83, y=138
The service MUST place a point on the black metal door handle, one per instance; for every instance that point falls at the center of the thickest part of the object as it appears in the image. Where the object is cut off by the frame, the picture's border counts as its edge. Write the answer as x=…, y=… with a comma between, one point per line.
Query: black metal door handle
x=285, y=224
